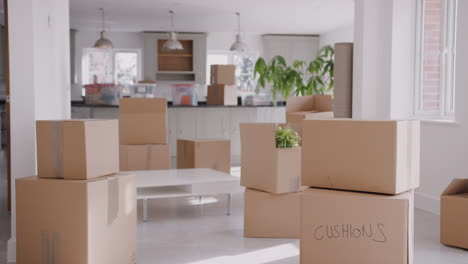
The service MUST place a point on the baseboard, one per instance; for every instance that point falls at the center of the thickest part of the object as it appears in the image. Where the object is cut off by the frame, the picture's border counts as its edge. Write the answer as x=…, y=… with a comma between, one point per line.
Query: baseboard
x=11, y=250
x=427, y=202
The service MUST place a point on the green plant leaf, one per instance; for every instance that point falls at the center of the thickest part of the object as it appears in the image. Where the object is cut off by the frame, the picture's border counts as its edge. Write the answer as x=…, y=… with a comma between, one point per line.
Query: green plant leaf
x=286, y=137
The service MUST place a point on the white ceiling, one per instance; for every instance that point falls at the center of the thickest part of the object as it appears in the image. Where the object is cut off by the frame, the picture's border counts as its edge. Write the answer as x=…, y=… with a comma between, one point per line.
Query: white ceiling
x=262, y=16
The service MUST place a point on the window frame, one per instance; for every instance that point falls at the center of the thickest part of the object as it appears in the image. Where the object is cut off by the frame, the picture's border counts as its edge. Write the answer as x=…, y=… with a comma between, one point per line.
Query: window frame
x=446, y=109
x=113, y=53
x=139, y=61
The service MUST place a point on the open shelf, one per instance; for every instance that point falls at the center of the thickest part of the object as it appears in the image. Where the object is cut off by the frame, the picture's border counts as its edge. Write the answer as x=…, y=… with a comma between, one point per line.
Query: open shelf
x=175, y=55
x=175, y=60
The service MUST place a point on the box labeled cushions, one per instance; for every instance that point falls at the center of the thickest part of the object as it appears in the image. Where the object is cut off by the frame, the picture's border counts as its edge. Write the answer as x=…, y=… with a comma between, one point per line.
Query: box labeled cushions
x=223, y=74
x=204, y=153
x=356, y=228
x=368, y=156
x=221, y=94
x=143, y=121
x=77, y=149
x=268, y=215
x=76, y=221
x=265, y=167
x=144, y=157
x=454, y=214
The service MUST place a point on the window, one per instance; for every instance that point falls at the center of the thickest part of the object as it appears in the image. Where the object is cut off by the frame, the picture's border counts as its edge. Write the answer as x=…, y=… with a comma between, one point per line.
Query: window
x=119, y=66
x=244, y=62
x=435, y=87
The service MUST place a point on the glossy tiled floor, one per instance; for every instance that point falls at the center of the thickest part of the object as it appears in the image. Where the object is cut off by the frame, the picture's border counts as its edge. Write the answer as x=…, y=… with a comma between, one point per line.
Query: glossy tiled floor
x=184, y=231
x=190, y=231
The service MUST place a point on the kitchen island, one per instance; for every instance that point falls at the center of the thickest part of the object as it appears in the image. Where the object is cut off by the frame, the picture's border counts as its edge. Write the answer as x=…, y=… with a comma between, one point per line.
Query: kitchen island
x=203, y=121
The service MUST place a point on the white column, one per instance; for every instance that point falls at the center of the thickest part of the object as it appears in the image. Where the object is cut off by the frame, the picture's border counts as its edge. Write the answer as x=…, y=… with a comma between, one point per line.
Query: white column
x=384, y=43
x=39, y=81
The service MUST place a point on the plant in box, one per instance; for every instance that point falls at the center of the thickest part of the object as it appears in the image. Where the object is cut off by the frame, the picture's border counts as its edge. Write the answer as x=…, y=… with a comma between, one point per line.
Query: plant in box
x=266, y=166
x=286, y=137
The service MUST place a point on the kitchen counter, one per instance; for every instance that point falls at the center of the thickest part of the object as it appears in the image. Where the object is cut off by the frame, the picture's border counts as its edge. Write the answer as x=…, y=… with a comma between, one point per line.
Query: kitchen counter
x=203, y=121
x=169, y=105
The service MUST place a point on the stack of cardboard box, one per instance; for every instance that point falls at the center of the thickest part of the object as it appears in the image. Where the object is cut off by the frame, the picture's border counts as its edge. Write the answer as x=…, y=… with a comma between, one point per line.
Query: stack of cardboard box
x=272, y=178
x=360, y=206
x=223, y=89
x=143, y=134
x=299, y=108
x=79, y=209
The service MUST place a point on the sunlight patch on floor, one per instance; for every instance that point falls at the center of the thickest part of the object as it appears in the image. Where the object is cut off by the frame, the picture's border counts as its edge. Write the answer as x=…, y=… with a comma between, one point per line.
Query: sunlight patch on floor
x=266, y=255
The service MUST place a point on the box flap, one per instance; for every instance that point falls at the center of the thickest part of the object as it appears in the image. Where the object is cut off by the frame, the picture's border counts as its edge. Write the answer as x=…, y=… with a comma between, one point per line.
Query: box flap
x=258, y=154
x=323, y=103
x=457, y=186
x=300, y=103
x=319, y=103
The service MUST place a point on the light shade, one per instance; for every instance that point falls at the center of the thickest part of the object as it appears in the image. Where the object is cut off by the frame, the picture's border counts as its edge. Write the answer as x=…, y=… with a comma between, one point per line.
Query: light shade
x=103, y=42
x=239, y=45
x=172, y=43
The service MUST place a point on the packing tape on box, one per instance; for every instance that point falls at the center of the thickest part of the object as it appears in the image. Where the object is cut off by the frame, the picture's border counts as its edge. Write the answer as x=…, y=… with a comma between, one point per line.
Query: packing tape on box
x=57, y=148
x=148, y=157
x=112, y=199
x=50, y=244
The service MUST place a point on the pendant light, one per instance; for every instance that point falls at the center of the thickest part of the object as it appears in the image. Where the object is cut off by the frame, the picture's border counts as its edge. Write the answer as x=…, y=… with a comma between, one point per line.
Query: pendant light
x=238, y=45
x=103, y=42
x=172, y=43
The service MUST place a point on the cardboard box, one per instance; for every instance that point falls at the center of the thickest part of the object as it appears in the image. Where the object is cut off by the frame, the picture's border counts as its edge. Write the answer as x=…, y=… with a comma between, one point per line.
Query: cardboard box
x=368, y=156
x=145, y=157
x=143, y=121
x=76, y=222
x=343, y=86
x=454, y=214
x=223, y=74
x=204, y=153
x=268, y=215
x=299, y=108
x=265, y=167
x=356, y=228
x=221, y=94
x=77, y=149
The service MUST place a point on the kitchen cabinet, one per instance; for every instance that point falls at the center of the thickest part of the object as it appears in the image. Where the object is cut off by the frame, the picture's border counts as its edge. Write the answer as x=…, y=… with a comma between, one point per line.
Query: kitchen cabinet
x=172, y=130
x=200, y=122
x=244, y=115
x=216, y=123
x=164, y=66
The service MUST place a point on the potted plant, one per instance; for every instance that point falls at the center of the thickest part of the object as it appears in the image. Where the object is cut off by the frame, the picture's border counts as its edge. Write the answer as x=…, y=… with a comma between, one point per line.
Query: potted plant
x=270, y=157
x=300, y=78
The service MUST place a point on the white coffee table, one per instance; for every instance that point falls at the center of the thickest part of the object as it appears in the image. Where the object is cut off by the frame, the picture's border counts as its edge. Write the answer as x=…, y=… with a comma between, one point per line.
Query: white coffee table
x=184, y=183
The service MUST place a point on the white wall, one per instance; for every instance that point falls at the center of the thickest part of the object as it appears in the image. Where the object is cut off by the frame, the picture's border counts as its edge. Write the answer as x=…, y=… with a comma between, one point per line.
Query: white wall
x=444, y=146
x=39, y=81
x=222, y=41
x=384, y=42
x=343, y=34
